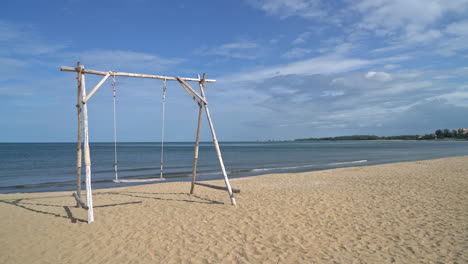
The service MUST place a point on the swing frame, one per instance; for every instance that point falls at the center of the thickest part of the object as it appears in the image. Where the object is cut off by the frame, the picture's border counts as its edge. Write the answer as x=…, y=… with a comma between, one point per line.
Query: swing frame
x=82, y=99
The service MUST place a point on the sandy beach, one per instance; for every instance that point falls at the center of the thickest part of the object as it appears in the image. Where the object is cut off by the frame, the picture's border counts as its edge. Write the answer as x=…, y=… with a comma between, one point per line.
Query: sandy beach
x=411, y=212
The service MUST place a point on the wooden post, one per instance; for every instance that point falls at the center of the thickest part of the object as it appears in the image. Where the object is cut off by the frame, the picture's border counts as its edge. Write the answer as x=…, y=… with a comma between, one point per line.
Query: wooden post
x=78, y=148
x=87, y=158
x=215, y=141
x=197, y=140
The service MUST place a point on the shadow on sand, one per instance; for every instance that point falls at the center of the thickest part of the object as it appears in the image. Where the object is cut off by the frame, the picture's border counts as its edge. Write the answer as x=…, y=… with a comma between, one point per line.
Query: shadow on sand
x=32, y=204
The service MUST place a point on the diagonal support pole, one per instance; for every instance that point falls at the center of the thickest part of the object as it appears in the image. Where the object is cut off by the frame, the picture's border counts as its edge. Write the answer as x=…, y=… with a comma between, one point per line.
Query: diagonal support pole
x=197, y=142
x=191, y=91
x=215, y=141
x=96, y=88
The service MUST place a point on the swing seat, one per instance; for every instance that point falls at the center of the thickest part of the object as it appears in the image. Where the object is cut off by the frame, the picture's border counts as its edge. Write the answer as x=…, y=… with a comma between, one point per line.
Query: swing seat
x=139, y=180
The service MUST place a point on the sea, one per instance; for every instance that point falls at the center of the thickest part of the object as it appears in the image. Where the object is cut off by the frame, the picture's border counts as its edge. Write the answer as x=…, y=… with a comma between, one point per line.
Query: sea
x=40, y=167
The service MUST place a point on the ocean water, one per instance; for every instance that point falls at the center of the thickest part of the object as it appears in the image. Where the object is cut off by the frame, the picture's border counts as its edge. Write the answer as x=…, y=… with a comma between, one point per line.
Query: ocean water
x=35, y=167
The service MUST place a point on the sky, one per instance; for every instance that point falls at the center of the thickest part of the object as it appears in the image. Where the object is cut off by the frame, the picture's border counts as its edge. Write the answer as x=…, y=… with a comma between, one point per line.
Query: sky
x=284, y=69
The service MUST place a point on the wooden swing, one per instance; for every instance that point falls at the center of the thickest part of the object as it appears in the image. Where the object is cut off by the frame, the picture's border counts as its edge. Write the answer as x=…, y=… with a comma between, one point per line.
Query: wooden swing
x=117, y=180
x=81, y=106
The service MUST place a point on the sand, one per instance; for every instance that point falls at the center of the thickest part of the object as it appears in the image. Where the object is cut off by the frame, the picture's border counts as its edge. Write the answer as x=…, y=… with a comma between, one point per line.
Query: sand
x=412, y=212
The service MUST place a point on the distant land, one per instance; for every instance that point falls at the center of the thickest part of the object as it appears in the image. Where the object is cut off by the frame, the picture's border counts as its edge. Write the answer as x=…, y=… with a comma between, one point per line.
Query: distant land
x=446, y=134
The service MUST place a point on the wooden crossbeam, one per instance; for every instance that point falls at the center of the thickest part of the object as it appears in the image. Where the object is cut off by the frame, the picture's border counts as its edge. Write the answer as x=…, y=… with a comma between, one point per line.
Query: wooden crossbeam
x=217, y=187
x=126, y=74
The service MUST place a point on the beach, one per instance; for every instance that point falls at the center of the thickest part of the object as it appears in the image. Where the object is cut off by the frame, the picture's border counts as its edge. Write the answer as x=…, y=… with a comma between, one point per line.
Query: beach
x=408, y=212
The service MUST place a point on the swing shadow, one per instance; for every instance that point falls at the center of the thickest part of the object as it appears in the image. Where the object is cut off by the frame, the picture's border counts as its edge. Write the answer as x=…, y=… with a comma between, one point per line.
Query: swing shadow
x=31, y=205
x=69, y=215
x=145, y=196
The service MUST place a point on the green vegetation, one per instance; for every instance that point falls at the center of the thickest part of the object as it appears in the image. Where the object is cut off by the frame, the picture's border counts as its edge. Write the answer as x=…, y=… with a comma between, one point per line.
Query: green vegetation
x=439, y=134
x=457, y=134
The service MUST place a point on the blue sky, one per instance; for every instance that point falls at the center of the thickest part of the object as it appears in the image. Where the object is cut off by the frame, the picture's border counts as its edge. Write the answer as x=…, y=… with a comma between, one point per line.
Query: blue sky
x=284, y=69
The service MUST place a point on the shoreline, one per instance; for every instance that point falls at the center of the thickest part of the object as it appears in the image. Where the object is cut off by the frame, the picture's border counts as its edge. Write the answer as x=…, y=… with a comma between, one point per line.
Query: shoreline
x=253, y=172
x=403, y=212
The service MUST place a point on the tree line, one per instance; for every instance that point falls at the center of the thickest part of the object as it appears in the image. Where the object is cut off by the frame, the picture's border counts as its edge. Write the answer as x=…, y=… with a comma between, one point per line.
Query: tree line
x=439, y=134
x=460, y=133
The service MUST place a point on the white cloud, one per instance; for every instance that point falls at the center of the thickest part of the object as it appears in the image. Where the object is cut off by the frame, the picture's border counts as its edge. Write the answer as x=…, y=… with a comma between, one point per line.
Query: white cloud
x=241, y=49
x=9, y=31
x=296, y=53
x=328, y=64
x=347, y=99
x=12, y=69
x=451, y=46
x=459, y=28
x=332, y=93
x=243, y=44
x=402, y=87
x=18, y=39
x=378, y=76
x=423, y=36
x=302, y=38
x=455, y=40
x=284, y=9
x=394, y=15
x=458, y=98
x=318, y=65
x=123, y=60
x=403, y=29
x=391, y=66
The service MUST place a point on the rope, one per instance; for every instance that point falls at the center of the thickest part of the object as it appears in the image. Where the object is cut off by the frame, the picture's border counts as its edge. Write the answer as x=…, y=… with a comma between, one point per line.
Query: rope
x=115, y=132
x=162, y=133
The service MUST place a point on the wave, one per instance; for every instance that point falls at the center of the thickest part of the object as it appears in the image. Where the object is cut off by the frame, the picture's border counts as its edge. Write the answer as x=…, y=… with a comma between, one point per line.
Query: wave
x=348, y=162
x=173, y=175
x=312, y=165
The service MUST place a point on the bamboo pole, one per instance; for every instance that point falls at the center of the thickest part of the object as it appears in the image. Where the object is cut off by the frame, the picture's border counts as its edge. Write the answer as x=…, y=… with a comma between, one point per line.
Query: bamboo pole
x=197, y=142
x=96, y=87
x=190, y=93
x=126, y=74
x=115, y=135
x=187, y=87
x=78, y=147
x=215, y=141
x=87, y=158
x=80, y=202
